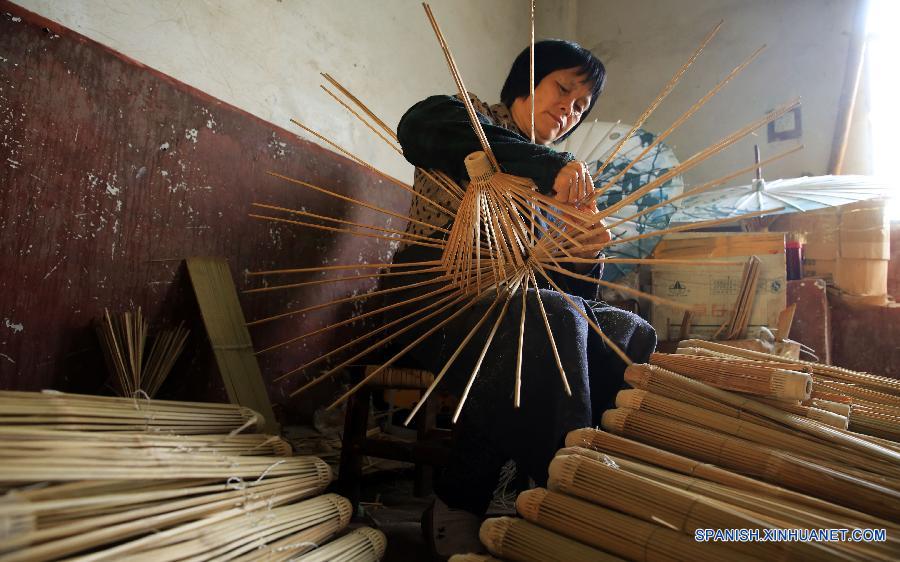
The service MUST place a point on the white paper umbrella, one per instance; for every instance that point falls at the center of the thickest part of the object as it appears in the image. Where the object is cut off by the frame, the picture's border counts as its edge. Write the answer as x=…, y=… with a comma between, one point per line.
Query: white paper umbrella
x=792, y=195
x=592, y=143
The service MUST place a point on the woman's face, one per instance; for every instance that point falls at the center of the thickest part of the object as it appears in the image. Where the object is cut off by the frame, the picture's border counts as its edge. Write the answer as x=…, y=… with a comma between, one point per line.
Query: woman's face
x=560, y=100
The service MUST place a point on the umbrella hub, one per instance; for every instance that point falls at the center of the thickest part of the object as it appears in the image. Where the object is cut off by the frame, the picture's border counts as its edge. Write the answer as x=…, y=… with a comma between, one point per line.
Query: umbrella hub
x=758, y=184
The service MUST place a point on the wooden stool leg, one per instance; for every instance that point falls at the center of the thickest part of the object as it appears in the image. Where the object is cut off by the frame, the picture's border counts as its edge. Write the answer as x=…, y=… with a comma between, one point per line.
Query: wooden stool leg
x=424, y=473
x=350, y=477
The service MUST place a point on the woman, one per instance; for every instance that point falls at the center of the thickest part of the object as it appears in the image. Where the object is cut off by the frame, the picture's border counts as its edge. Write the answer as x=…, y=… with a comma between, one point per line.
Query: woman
x=436, y=134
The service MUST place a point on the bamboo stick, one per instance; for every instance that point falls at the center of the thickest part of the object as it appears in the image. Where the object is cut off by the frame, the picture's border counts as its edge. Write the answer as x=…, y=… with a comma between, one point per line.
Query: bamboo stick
x=463, y=92
x=363, y=545
x=356, y=201
x=352, y=319
x=401, y=184
x=408, y=241
x=683, y=118
x=187, y=539
x=454, y=296
x=670, y=85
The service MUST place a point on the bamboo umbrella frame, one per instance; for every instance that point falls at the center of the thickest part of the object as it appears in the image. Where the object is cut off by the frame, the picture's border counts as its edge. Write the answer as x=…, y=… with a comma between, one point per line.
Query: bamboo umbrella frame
x=617, y=533
x=776, y=512
x=682, y=511
x=776, y=437
x=361, y=545
x=740, y=377
x=232, y=532
x=758, y=461
x=640, y=375
x=521, y=541
x=492, y=236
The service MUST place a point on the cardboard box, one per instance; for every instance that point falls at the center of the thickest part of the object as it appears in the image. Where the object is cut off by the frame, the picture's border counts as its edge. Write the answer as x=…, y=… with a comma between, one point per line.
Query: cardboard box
x=711, y=291
x=861, y=277
x=846, y=246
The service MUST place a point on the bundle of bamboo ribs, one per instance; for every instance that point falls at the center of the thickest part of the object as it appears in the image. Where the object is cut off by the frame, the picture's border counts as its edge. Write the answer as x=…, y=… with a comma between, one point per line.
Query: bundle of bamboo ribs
x=709, y=440
x=870, y=402
x=114, y=489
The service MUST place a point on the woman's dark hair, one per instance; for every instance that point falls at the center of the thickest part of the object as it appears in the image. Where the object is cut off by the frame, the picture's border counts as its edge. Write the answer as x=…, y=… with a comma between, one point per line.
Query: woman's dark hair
x=551, y=55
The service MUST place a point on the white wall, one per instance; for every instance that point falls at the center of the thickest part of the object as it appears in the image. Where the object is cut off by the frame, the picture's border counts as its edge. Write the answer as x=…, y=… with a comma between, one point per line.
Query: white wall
x=643, y=42
x=265, y=56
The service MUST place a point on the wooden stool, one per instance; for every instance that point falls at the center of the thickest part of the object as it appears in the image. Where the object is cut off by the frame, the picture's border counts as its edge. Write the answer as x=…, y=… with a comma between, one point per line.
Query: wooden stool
x=430, y=449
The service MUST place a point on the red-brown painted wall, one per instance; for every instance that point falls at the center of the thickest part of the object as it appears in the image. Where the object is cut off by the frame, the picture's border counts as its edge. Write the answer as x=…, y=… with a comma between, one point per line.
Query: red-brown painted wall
x=111, y=173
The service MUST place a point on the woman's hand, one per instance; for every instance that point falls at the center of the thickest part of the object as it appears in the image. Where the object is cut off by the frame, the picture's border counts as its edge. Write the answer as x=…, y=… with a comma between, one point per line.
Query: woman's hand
x=573, y=182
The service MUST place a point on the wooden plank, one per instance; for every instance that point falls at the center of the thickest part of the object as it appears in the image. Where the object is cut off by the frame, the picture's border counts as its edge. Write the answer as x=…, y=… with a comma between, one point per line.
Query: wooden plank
x=229, y=337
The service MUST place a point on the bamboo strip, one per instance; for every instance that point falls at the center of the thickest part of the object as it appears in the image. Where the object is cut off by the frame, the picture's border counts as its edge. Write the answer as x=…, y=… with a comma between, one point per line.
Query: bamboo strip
x=134, y=464
x=302, y=213
x=401, y=184
x=352, y=319
x=271, y=288
x=454, y=296
x=356, y=201
x=683, y=118
x=420, y=264
x=704, y=187
x=232, y=538
x=390, y=132
x=197, y=537
x=289, y=547
x=361, y=545
x=509, y=290
x=463, y=92
x=519, y=540
x=408, y=241
x=343, y=300
x=670, y=85
x=578, y=308
x=391, y=144
x=696, y=159
x=417, y=341
x=617, y=533
x=92, y=513
x=556, y=357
